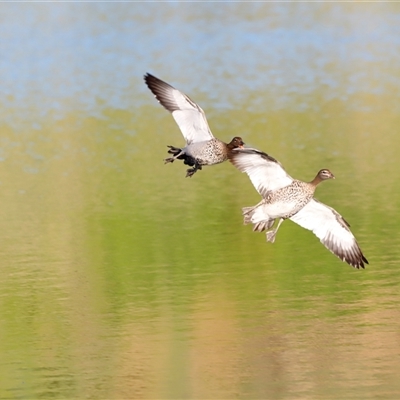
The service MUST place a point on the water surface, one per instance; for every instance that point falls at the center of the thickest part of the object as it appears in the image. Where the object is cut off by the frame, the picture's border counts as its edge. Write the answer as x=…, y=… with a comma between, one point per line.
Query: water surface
x=123, y=279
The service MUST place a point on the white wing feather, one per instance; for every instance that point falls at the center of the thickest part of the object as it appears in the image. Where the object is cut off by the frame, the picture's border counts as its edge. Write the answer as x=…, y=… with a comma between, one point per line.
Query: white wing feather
x=264, y=171
x=188, y=115
x=332, y=230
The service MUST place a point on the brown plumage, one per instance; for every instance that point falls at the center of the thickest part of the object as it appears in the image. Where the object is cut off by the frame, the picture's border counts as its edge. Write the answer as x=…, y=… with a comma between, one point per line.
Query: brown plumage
x=288, y=198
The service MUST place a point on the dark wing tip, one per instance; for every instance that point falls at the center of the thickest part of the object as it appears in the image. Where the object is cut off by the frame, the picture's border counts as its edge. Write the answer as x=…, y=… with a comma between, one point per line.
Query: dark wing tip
x=162, y=91
x=155, y=83
x=150, y=79
x=357, y=259
x=352, y=256
x=268, y=157
x=248, y=150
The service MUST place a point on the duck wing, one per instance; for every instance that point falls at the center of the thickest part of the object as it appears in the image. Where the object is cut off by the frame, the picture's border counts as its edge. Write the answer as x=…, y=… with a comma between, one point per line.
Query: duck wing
x=188, y=115
x=332, y=230
x=265, y=173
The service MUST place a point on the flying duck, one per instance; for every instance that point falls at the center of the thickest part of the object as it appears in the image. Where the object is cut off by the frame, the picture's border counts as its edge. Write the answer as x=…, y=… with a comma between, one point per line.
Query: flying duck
x=286, y=198
x=202, y=148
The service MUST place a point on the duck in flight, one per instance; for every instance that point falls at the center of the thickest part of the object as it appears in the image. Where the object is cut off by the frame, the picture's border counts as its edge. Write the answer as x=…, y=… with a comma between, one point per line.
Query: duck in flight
x=202, y=148
x=286, y=198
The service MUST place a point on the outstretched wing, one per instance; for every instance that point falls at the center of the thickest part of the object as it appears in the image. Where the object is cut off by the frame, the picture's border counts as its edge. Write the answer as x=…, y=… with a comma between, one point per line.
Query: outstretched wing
x=332, y=230
x=188, y=115
x=264, y=171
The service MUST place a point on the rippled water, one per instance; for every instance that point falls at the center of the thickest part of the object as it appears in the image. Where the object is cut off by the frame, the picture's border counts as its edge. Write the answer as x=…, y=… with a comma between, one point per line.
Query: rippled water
x=123, y=279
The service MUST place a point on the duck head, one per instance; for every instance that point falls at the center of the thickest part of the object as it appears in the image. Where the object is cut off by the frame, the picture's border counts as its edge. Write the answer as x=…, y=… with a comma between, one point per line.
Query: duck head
x=323, y=175
x=235, y=143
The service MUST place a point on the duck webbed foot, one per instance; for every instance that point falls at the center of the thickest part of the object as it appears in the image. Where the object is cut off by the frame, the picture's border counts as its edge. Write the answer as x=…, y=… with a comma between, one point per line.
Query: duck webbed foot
x=177, y=154
x=176, y=151
x=191, y=171
x=169, y=160
x=271, y=235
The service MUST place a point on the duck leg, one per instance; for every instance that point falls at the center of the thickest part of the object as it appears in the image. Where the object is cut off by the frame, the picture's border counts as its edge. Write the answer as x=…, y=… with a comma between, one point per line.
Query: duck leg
x=177, y=153
x=272, y=234
x=191, y=171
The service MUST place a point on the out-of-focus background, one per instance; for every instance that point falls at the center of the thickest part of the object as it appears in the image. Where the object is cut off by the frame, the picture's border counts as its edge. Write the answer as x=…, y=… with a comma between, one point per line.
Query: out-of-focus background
x=121, y=279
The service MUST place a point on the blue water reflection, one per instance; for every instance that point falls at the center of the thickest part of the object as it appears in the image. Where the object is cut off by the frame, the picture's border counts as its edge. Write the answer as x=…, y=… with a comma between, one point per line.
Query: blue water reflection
x=74, y=55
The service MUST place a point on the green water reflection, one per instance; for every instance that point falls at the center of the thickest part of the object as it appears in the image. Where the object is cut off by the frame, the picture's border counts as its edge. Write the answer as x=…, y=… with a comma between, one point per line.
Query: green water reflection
x=122, y=279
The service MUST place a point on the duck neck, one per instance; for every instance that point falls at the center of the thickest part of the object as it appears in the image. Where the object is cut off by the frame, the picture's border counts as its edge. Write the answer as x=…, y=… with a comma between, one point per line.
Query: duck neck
x=316, y=181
